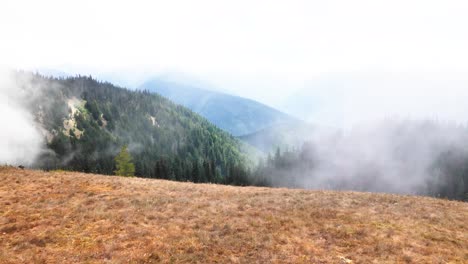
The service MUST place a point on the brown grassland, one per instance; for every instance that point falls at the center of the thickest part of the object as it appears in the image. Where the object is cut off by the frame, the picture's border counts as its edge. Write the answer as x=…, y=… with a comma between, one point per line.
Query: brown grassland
x=66, y=217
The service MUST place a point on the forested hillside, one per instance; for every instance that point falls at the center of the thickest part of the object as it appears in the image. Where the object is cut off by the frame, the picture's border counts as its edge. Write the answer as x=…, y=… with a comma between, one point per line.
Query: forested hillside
x=86, y=123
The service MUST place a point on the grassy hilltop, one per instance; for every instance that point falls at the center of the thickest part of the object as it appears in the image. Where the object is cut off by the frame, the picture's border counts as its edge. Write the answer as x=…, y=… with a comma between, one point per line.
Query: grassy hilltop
x=66, y=217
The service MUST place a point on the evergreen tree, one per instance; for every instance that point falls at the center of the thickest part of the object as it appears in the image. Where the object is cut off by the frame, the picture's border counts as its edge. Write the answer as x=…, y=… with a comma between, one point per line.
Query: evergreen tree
x=124, y=164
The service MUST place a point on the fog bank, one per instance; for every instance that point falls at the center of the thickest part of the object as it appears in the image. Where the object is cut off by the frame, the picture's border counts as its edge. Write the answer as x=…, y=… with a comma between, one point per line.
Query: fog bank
x=393, y=155
x=20, y=138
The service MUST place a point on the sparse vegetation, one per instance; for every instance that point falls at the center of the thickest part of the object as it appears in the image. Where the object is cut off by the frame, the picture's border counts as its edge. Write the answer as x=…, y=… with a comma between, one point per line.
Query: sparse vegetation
x=66, y=217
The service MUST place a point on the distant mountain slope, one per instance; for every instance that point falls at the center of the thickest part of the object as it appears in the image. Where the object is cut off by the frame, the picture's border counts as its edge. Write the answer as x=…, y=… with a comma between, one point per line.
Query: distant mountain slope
x=236, y=115
x=285, y=135
x=86, y=122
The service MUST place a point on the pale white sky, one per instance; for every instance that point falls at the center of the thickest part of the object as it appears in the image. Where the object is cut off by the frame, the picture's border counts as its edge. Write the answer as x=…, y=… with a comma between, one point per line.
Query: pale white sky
x=266, y=50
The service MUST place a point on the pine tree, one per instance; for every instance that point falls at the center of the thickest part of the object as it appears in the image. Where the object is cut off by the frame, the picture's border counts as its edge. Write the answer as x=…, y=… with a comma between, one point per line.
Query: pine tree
x=124, y=164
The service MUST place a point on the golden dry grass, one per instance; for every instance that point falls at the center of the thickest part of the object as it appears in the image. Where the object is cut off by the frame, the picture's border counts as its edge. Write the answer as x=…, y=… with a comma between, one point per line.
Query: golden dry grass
x=65, y=217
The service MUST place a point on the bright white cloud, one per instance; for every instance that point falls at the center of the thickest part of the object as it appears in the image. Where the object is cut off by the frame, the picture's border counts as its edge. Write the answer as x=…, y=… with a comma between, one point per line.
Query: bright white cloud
x=289, y=37
x=249, y=47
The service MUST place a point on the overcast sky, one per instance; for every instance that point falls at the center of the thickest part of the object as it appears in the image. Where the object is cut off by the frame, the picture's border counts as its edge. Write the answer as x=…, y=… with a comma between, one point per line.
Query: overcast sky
x=267, y=50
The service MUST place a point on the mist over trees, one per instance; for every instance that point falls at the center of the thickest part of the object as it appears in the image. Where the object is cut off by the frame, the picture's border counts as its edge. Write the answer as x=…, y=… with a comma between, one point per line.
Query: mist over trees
x=406, y=157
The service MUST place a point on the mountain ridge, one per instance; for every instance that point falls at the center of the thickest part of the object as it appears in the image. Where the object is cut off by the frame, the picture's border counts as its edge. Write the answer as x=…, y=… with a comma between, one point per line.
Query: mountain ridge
x=235, y=114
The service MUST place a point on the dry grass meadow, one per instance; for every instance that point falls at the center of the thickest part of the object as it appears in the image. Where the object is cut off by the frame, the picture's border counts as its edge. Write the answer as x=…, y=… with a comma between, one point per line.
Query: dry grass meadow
x=65, y=217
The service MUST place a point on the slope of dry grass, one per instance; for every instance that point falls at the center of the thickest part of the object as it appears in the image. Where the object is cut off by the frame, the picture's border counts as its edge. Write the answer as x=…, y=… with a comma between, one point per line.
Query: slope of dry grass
x=64, y=217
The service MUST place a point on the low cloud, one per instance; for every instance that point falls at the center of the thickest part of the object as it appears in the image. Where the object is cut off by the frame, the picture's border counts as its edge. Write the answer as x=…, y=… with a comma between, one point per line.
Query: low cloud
x=396, y=156
x=20, y=138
